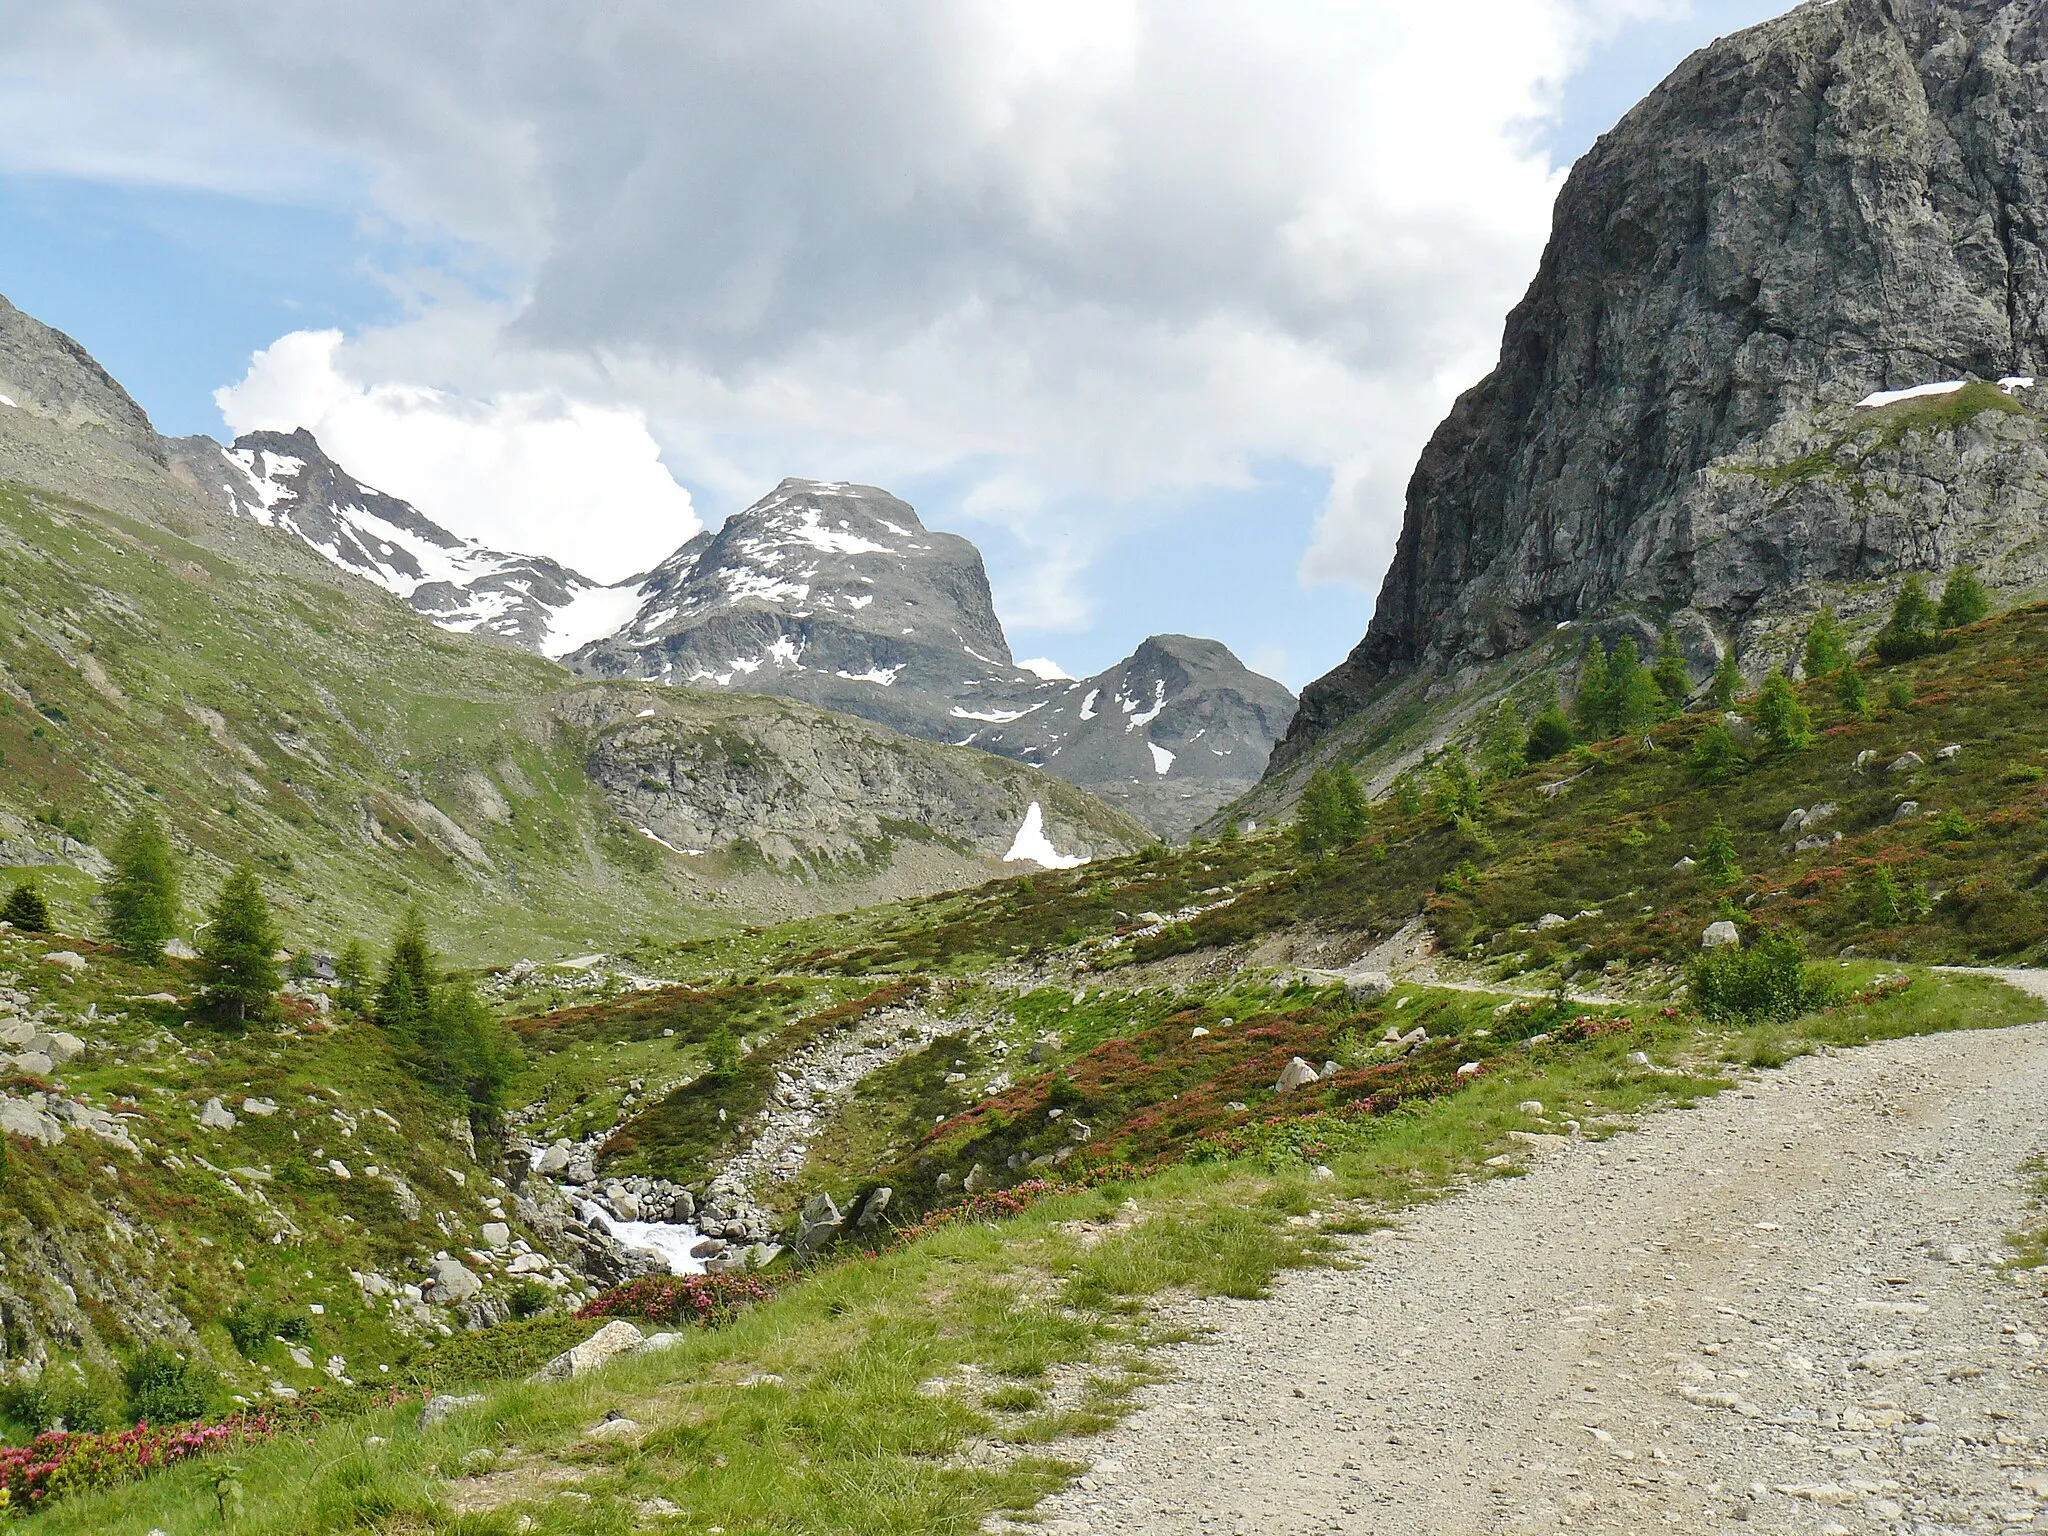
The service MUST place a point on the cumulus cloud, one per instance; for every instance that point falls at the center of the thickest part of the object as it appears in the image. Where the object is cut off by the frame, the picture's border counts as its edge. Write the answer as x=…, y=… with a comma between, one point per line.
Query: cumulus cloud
x=524, y=471
x=1065, y=250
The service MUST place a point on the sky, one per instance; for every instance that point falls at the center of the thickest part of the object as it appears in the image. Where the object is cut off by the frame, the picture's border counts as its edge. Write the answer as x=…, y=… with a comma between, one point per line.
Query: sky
x=1155, y=300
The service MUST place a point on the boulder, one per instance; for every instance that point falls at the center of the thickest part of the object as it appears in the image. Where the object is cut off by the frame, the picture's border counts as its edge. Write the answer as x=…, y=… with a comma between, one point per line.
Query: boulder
x=1820, y=815
x=1792, y=822
x=1044, y=1048
x=620, y=1428
x=1686, y=865
x=32, y=1064
x=1549, y=920
x=614, y=1338
x=1296, y=1074
x=554, y=1160
x=820, y=1224
x=497, y=1234
x=17, y=1032
x=1717, y=934
x=67, y=959
x=761, y=1255
x=61, y=1048
x=180, y=949
x=877, y=1203
x=21, y=1117
x=656, y=1344
x=440, y=1408
x=1367, y=987
x=452, y=1282
x=216, y=1116
x=1818, y=840
x=1869, y=757
x=1949, y=753
x=1906, y=762
x=977, y=1180
x=1907, y=810
x=262, y=1108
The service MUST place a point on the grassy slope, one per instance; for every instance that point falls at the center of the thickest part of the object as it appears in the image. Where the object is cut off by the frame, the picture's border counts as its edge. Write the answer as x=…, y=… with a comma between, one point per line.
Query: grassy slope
x=856, y=1399
x=290, y=723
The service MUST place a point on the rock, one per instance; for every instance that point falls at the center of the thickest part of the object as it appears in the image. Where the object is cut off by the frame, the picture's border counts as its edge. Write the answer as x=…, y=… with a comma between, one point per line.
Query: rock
x=730, y=1262
x=452, y=1281
x=1740, y=728
x=1198, y=1033
x=819, y=1225
x=1906, y=762
x=32, y=1064
x=1530, y=1107
x=61, y=1048
x=614, y=1338
x=554, y=1160
x=16, y=1032
x=873, y=1208
x=216, y=1116
x=1793, y=822
x=67, y=959
x=1638, y=1058
x=1869, y=757
x=1044, y=1048
x=497, y=1234
x=262, y=1108
x=1818, y=840
x=761, y=1255
x=613, y=1429
x=1365, y=988
x=1949, y=753
x=1687, y=864
x=1719, y=933
x=707, y=1247
x=25, y=1118
x=1907, y=810
x=1469, y=1069
x=1076, y=1131
x=338, y=1168
x=977, y=1180
x=440, y=1408
x=180, y=949
x=1549, y=920
x=1541, y=1141
x=1296, y=1074
x=656, y=1344
x=1820, y=815
x=1414, y=1040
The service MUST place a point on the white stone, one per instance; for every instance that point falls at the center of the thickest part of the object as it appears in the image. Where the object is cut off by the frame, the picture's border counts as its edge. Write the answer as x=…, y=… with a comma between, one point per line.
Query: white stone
x=216, y=1116
x=262, y=1108
x=1719, y=933
x=68, y=959
x=1367, y=987
x=1949, y=753
x=614, y=1338
x=454, y=1281
x=497, y=1234
x=1549, y=920
x=1296, y=1074
x=442, y=1407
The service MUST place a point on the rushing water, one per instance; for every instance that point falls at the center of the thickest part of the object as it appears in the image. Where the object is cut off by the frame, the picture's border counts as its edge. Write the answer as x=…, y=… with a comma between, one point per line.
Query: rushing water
x=673, y=1240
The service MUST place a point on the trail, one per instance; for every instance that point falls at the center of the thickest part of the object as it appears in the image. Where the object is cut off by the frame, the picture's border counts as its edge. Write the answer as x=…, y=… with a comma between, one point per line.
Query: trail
x=1779, y=1311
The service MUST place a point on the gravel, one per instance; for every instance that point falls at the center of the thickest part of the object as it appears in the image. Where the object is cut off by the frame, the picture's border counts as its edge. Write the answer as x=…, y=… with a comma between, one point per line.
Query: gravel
x=1780, y=1311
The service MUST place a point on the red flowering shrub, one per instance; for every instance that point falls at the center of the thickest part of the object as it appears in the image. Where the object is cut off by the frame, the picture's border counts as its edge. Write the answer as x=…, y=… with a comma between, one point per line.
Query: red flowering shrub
x=54, y=1465
x=702, y=1300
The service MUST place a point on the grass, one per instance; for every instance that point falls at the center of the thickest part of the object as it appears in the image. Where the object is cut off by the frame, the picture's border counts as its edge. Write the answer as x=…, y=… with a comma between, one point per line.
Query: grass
x=851, y=1400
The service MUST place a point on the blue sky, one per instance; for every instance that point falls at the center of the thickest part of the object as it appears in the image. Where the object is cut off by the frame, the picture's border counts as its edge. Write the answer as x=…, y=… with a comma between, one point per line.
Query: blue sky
x=174, y=286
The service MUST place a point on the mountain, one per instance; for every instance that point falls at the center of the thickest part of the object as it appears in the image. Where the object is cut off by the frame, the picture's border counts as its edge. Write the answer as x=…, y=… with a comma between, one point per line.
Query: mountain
x=1689, y=419
x=838, y=595
x=284, y=480
x=834, y=594
x=1168, y=735
x=166, y=649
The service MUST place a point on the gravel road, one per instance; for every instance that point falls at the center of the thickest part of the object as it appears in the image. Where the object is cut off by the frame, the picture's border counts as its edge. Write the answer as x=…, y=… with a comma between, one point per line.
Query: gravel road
x=1779, y=1311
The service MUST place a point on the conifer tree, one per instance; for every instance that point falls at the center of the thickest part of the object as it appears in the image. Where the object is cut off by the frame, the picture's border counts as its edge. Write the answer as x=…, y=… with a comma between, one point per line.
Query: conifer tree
x=1911, y=630
x=1634, y=699
x=1456, y=787
x=1550, y=734
x=1780, y=716
x=1827, y=649
x=405, y=998
x=26, y=908
x=1501, y=746
x=1673, y=677
x=1407, y=796
x=352, y=977
x=141, y=896
x=1727, y=685
x=1715, y=756
x=1851, y=694
x=1718, y=865
x=1963, y=601
x=1592, y=704
x=1316, y=817
x=1354, y=811
x=239, y=977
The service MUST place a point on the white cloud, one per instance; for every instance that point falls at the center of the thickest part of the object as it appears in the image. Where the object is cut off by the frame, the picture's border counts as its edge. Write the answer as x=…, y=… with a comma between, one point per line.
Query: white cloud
x=1066, y=250
x=527, y=471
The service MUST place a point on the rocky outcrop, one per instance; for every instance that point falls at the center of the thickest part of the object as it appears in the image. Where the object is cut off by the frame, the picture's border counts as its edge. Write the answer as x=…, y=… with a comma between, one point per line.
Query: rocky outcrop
x=1846, y=200
x=46, y=374
x=771, y=781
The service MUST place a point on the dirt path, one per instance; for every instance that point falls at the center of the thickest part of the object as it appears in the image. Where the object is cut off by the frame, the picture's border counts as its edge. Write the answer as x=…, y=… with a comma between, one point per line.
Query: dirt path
x=1779, y=1311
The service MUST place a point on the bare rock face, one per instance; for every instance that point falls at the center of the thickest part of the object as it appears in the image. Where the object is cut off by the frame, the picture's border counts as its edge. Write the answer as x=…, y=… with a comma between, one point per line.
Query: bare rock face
x=1846, y=200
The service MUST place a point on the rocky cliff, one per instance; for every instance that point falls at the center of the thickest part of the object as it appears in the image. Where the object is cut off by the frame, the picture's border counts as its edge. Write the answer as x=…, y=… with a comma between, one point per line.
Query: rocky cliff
x=1844, y=201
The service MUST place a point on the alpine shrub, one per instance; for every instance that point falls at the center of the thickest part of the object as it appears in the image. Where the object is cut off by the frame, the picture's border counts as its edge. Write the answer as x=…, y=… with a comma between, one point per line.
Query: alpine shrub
x=1768, y=981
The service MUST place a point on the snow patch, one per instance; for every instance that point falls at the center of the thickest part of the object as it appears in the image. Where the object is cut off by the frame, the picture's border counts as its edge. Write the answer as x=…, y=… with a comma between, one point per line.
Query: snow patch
x=9, y=403
x=1051, y=671
x=1917, y=392
x=2016, y=382
x=993, y=716
x=886, y=676
x=1088, y=704
x=1158, y=704
x=688, y=853
x=1033, y=846
x=1161, y=758
x=592, y=614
